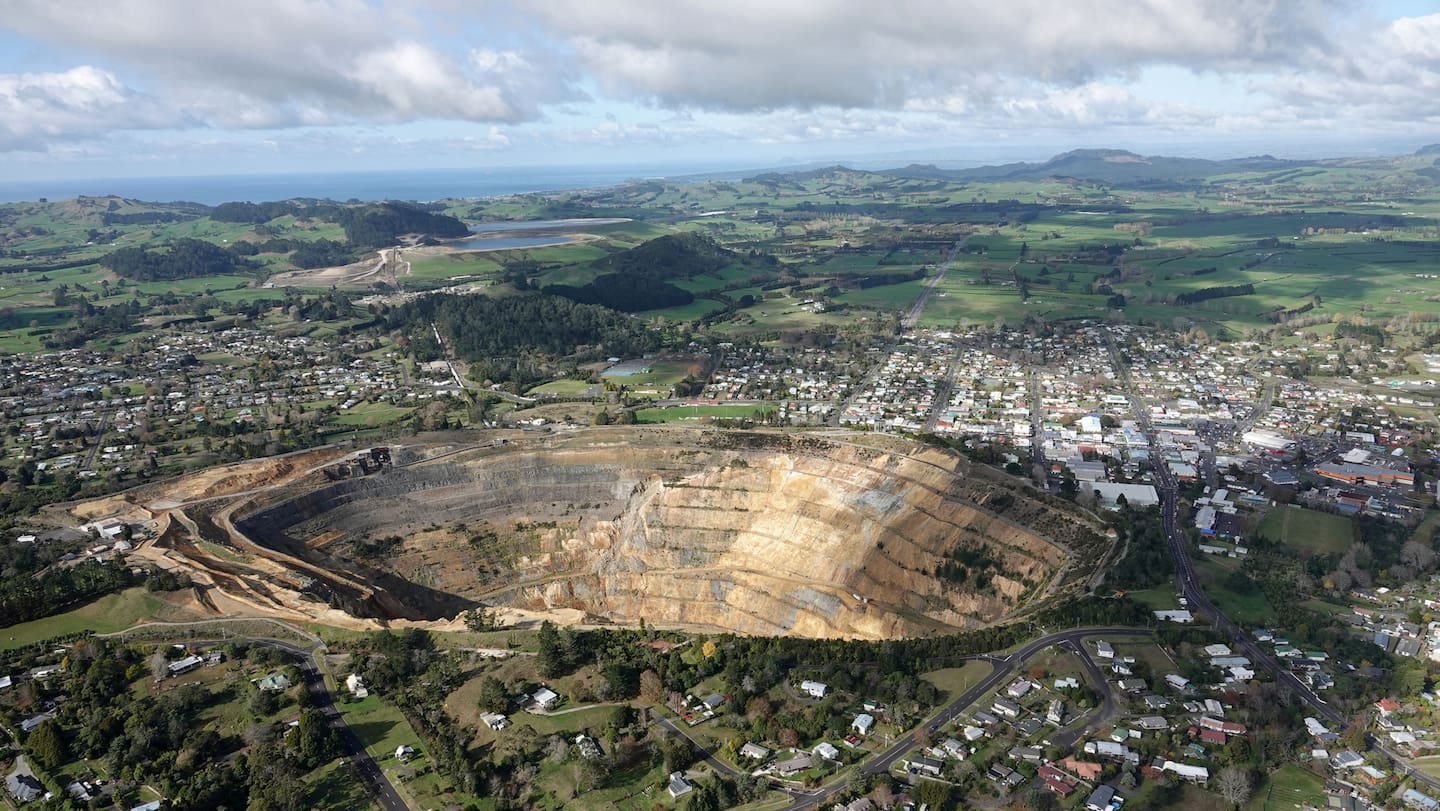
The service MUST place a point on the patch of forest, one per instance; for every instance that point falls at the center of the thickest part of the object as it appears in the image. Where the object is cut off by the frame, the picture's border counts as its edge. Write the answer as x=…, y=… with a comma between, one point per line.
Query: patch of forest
x=480, y=328
x=184, y=259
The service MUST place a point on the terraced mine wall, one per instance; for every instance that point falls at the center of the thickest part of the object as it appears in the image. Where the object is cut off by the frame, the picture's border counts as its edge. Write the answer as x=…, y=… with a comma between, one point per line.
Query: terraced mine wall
x=750, y=532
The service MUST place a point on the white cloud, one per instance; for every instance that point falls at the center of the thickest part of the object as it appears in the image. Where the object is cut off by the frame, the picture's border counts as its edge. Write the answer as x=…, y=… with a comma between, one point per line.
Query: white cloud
x=759, y=55
x=286, y=63
x=38, y=109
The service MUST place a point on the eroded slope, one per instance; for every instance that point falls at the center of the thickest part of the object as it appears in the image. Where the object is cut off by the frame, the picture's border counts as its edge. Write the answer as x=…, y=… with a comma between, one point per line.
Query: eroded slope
x=751, y=532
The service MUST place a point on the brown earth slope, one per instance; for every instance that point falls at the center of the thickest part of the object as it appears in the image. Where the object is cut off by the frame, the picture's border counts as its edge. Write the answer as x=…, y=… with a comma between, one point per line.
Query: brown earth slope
x=761, y=533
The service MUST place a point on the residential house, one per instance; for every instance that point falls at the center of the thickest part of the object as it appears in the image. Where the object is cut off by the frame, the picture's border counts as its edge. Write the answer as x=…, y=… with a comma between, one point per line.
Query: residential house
x=1057, y=782
x=1185, y=771
x=754, y=751
x=1152, y=723
x=355, y=683
x=495, y=720
x=185, y=665
x=274, y=683
x=1420, y=802
x=1099, y=799
x=1056, y=712
x=826, y=750
x=814, y=689
x=1346, y=760
x=1019, y=689
x=1006, y=707
x=24, y=788
x=678, y=786
x=863, y=723
x=794, y=765
x=925, y=765
x=1029, y=754
x=545, y=698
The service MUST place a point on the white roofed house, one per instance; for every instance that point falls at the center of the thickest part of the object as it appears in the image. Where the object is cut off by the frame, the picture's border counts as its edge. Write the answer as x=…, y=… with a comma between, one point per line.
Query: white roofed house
x=863, y=723
x=814, y=689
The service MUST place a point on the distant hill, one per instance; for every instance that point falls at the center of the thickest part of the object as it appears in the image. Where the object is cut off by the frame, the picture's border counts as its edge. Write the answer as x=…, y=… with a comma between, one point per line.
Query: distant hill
x=1428, y=149
x=1112, y=166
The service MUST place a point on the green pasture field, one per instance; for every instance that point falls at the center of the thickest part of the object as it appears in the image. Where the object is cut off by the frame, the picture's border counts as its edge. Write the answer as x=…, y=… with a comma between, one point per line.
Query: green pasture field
x=113, y=612
x=1247, y=609
x=695, y=310
x=884, y=297
x=449, y=266
x=693, y=413
x=1320, y=533
x=1286, y=788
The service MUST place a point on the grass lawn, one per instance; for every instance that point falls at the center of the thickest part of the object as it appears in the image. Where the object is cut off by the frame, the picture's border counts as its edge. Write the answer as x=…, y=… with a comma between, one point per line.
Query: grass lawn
x=1428, y=765
x=1158, y=598
x=380, y=726
x=1321, y=533
x=953, y=681
x=1288, y=787
x=367, y=415
x=337, y=787
x=1250, y=608
x=563, y=388
x=113, y=612
x=686, y=413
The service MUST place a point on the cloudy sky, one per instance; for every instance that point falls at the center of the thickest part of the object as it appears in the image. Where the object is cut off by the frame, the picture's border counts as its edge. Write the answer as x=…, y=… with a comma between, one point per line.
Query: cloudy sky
x=164, y=87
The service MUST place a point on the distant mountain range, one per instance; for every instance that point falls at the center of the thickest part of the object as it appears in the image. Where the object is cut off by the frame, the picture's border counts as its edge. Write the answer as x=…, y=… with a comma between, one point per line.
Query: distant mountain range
x=1119, y=167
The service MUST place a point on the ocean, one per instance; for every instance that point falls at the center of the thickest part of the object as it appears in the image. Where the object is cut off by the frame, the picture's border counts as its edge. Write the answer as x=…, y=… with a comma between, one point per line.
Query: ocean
x=419, y=185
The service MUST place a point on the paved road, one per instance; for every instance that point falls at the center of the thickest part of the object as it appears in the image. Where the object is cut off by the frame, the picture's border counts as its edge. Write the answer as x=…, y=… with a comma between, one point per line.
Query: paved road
x=371, y=775
x=907, y=323
x=1005, y=668
x=1066, y=738
x=1199, y=603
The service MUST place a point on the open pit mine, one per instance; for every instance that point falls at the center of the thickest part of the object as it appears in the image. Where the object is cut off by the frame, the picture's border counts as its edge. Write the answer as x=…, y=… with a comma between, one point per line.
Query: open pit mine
x=833, y=535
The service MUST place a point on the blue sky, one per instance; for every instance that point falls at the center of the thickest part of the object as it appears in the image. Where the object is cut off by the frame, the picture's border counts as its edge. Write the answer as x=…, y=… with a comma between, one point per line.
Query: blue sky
x=178, y=87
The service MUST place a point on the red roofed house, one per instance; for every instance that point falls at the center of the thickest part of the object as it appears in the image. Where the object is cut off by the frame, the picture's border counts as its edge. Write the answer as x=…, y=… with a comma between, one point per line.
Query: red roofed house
x=1213, y=736
x=1057, y=782
x=1082, y=769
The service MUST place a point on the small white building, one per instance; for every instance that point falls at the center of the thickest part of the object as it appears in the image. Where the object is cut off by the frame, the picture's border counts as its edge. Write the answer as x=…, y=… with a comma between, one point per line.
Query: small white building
x=678, y=786
x=826, y=750
x=863, y=723
x=545, y=698
x=814, y=689
x=495, y=720
x=754, y=751
x=355, y=683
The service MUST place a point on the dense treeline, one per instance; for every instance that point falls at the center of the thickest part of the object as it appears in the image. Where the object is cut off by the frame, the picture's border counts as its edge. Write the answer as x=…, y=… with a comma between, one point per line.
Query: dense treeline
x=880, y=280
x=146, y=217
x=254, y=212
x=1147, y=561
x=168, y=740
x=480, y=328
x=1365, y=333
x=377, y=226
x=625, y=292
x=307, y=254
x=184, y=259
x=639, y=279
x=25, y=597
x=1207, y=293
x=673, y=256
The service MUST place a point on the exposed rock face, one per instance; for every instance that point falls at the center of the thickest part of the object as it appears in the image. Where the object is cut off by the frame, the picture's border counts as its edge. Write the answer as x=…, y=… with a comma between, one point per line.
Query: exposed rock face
x=755, y=533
